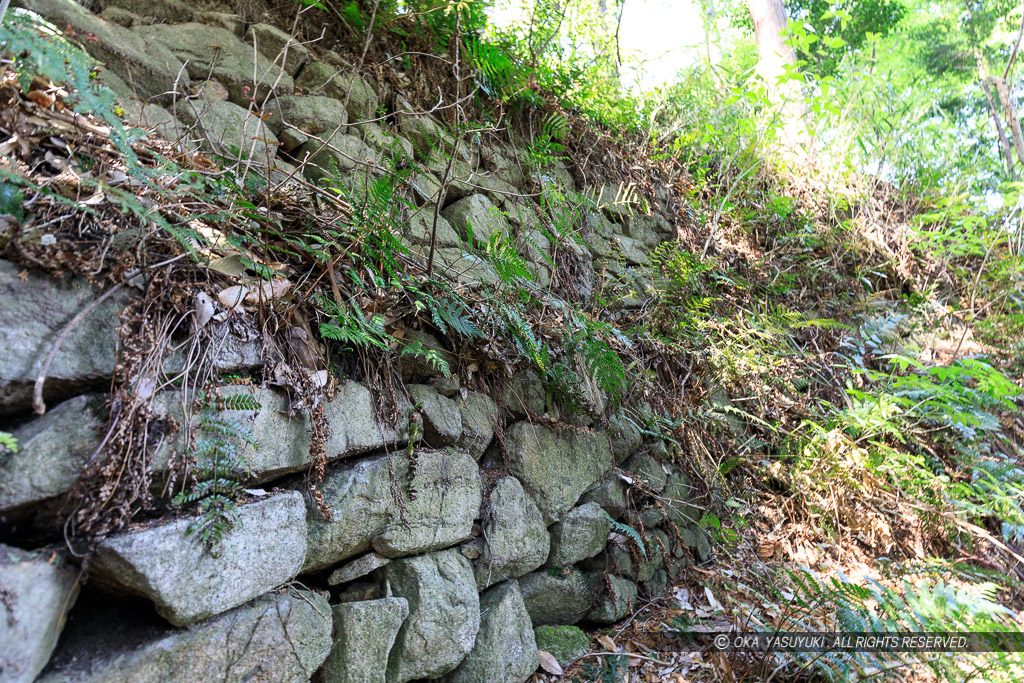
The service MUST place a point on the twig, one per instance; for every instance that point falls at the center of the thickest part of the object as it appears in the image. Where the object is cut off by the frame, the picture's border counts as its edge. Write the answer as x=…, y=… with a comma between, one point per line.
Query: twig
x=37, y=397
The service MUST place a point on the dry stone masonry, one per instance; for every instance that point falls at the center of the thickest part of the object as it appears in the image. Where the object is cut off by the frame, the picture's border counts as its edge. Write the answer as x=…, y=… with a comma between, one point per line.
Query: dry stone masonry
x=454, y=557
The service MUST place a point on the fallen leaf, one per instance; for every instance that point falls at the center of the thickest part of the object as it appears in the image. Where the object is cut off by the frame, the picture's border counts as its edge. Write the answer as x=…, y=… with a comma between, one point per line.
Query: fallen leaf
x=231, y=266
x=277, y=287
x=231, y=297
x=203, y=308
x=549, y=663
x=607, y=643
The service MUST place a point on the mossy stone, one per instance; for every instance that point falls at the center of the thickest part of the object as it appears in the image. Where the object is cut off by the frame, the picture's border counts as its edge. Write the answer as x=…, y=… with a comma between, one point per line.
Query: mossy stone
x=565, y=643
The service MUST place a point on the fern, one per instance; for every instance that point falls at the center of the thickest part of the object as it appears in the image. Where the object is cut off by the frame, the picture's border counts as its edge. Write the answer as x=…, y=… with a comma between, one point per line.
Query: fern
x=350, y=326
x=434, y=358
x=8, y=443
x=629, y=531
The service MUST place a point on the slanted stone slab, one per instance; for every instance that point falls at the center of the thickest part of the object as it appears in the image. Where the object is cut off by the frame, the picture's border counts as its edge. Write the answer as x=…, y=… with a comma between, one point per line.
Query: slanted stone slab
x=51, y=452
x=35, y=310
x=556, y=468
x=213, y=52
x=516, y=541
x=320, y=116
x=149, y=69
x=505, y=649
x=320, y=78
x=444, y=615
x=580, y=534
x=365, y=633
x=442, y=419
x=277, y=637
x=357, y=568
x=39, y=590
x=441, y=513
x=227, y=129
x=271, y=41
x=365, y=514
x=264, y=549
x=282, y=442
x=557, y=595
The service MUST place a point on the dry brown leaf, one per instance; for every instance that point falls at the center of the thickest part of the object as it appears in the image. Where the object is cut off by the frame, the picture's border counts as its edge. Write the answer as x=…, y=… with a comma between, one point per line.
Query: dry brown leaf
x=549, y=663
x=607, y=643
x=273, y=289
x=231, y=297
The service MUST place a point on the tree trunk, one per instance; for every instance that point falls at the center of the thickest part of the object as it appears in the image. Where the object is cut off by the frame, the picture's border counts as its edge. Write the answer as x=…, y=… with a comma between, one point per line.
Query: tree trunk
x=769, y=17
x=1011, y=115
x=1004, y=143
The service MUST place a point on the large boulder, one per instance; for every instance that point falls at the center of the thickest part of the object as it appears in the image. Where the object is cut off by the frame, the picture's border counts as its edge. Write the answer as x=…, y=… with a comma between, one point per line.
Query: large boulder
x=505, y=649
x=51, y=452
x=556, y=468
x=187, y=582
x=335, y=158
x=558, y=595
x=516, y=541
x=349, y=88
x=213, y=52
x=365, y=632
x=227, y=129
x=610, y=494
x=580, y=534
x=321, y=116
x=365, y=513
x=478, y=215
x=39, y=589
x=150, y=69
x=624, y=434
x=281, y=636
x=441, y=501
x=444, y=615
x=276, y=45
x=35, y=310
x=282, y=442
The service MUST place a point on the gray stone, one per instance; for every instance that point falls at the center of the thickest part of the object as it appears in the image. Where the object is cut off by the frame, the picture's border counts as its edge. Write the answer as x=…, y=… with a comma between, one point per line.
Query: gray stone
x=615, y=597
x=211, y=91
x=421, y=129
x=39, y=589
x=580, y=534
x=277, y=637
x=165, y=10
x=320, y=116
x=420, y=226
x=610, y=494
x=361, y=591
x=557, y=595
x=447, y=499
x=426, y=189
x=658, y=585
x=676, y=498
x=150, y=70
x=227, y=129
x=320, y=78
x=333, y=158
x=365, y=514
x=264, y=548
x=556, y=468
x=633, y=251
x=365, y=633
x=444, y=615
x=650, y=473
x=213, y=52
x=282, y=442
x=565, y=643
x=121, y=17
x=152, y=117
x=469, y=269
x=393, y=146
x=516, y=541
x=505, y=649
x=479, y=415
x=271, y=42
x=696, y=540
x=477, y=212
x=442, y=420
x=35, y=310
x=524, y=395
x=359, y=567
x=617, y=202
x=51, y=452
x=624, y=434
x=229, y=21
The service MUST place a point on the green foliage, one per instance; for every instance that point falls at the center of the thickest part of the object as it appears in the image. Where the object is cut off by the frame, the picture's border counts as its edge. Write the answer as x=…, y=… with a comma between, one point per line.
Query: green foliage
x=348, y=325
x=219, y=470
x=8, y=443
x=629, y=532
x=842, y=27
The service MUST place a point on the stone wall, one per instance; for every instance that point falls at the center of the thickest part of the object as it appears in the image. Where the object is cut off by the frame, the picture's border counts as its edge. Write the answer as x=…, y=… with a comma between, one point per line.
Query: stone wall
x=452, y=560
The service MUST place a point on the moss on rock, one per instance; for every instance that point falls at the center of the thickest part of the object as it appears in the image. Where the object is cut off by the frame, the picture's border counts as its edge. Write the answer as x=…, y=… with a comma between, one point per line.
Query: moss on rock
x=565, y=643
